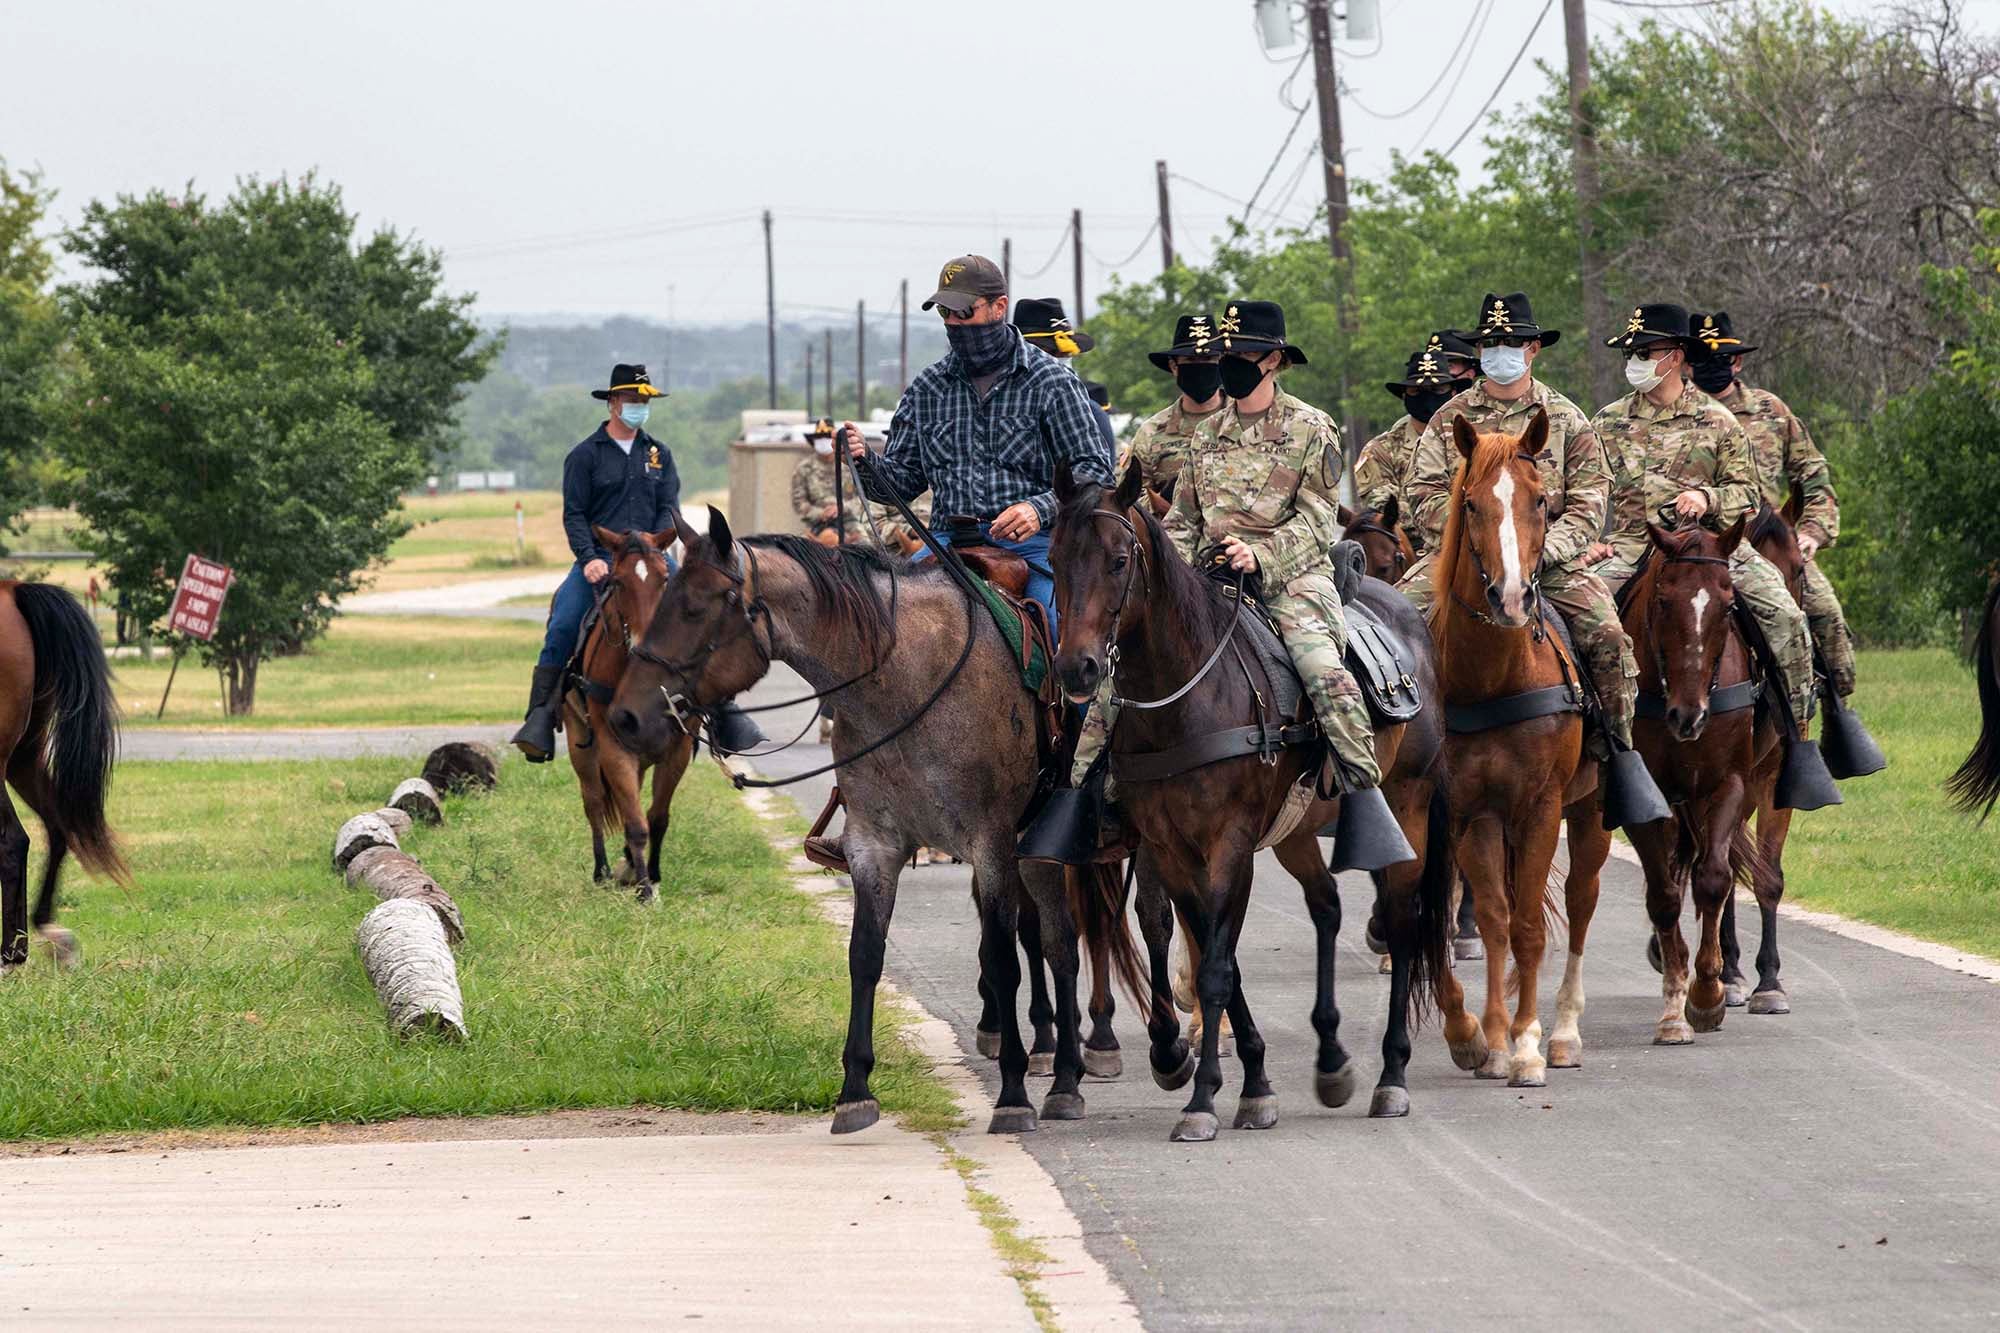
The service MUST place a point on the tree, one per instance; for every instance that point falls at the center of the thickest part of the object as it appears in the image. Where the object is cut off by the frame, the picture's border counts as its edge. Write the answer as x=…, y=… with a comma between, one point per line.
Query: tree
x=29, y=332
x=242, y=435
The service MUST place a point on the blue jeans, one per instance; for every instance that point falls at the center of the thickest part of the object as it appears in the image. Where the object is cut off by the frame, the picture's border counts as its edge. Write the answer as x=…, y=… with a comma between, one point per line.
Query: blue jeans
x=566, y=612
x=1035, y=550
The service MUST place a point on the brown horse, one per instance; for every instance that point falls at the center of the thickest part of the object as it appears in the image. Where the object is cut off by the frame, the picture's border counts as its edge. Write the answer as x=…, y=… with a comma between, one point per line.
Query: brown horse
x=1512, y=782
x=1125, y=596
x=1384, y=542
x=58, y=736
x=1976, y=784
x=1712, y=752
x=612, y=775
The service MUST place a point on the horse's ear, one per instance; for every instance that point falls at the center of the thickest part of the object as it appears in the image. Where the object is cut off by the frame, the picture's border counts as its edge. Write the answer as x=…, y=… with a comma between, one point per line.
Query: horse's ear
x=665, y=536
x=1130, y=486
x=606, y=538
x=1391, y=511
x=1795, y=505
x=1662, y=538
x=1536, y=437
x=1345, y=515
x=718, y=532
x=1464, y=436
x=1732, y=536
x=1065, y=482
x=685, y=530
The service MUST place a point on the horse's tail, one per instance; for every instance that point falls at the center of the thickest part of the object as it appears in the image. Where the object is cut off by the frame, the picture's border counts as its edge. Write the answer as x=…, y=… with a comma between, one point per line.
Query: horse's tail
x=1976, y=784
x=81, y=740
x=1097, y=906
x=1434, y=917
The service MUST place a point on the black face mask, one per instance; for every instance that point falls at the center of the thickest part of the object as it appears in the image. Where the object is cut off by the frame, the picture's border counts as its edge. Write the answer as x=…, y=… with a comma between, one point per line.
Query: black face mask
x=1240, y=376
x=1714, y=374
x=1422, y=404
x=981, y=348
x=1198, y=380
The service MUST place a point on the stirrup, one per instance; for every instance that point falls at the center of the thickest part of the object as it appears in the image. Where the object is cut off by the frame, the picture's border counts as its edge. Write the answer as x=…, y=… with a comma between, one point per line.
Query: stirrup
x=820, y=849
x=1367, y=836
x=1628, y=794
x=1804, y=781
x=1849, y=750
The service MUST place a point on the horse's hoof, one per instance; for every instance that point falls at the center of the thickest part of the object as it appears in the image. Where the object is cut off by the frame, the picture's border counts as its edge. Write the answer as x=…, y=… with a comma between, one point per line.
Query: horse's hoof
x=1733, y=995
x=1676, y=1033
x=851, y=1116
x=647, y=895
x=1528, y=1073
x=1385, y=965
x=1176, y=1079
x=987, y=1043
x=1012, y=1120
x=1041, y=1064
x=1195, y=1127
x=1494, y=1065
x=1103, y=1064
x=1653, y=954
x=1705, y=1020
x=1468, y=949
x=1257, y=1112
x=1375, y=944
x=1468, y=1054
x=63, y=947
x=1337, y=1088
x=1770, y=1002
x=1063, y=1106
x=1389, y=1102
x=1565, y=1052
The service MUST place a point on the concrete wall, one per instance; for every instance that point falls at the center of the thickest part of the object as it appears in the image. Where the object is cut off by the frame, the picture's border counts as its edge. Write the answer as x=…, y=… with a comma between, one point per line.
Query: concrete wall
x=760, y=485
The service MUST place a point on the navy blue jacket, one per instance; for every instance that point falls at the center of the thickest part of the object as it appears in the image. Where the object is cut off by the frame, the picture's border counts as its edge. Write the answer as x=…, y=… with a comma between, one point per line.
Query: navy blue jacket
x=602, y=485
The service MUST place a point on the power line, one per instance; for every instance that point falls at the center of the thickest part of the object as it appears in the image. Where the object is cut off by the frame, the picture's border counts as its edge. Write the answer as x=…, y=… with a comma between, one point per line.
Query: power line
x=1208, y=189
x=1546, y=7
x=1120, y=263
x=1276, y=158
x=1292, y=186
x=1668, y=4
x=1054, y=255
x=1425, y=96
x=1444, y=106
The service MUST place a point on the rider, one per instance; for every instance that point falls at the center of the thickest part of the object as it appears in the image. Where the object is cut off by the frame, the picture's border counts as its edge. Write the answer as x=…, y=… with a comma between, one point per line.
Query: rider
x=1785, y=456
x=1575, y=483
x=1162, y=442
x=622, y=479
x=1042, y=322
x=1430, y=380
x=984, y=426
x=813, y=493
x=1678, y=458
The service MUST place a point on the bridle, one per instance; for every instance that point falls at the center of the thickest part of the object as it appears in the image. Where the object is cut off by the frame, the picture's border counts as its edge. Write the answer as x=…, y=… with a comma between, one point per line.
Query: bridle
x=1134, y=557
x=739, y=595
x=1396, y=541
x=1535, y=618
x=1655, y=615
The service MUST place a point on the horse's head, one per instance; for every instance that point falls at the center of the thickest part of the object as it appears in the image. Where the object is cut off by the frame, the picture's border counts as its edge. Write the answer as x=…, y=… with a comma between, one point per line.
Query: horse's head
x=701, y=645
x=1688, y=618
x=1098, y=550
x=638, y=572
x=1384, y=544
x=1501, y=516
x=1775, y=534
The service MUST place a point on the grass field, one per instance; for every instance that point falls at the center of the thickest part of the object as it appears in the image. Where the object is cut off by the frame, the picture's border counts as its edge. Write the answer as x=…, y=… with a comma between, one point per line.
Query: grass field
x=225, y=990
x=1894, y=853
x=367, y=671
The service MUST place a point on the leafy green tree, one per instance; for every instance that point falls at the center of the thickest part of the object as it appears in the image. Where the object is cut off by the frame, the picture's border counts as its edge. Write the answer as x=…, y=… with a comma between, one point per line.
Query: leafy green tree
x=29, y=332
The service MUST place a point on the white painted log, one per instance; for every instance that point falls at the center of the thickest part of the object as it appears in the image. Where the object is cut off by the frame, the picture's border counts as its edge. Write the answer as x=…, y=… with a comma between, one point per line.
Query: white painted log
x=390, y=873
x=357, y=835
x=419, y=799
x=404, y=950
x=398, y=820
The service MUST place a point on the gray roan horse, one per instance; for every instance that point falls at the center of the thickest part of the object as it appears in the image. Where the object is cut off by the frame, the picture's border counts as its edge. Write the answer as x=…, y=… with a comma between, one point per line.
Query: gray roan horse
x=934, y=736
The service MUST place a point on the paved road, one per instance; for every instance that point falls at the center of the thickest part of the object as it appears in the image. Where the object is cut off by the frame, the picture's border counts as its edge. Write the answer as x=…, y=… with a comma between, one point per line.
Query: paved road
x=1834, y=1168
x=303, y=743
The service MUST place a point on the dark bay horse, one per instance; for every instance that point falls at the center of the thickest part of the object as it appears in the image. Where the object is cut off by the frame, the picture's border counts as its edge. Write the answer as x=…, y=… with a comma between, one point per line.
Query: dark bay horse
x=1712, y=753
x=1976, y=784
x=1511, y=783
x=612, y=772
x=935, y=737
x=59, y=737
x=1125, y=595
x=1383, y=540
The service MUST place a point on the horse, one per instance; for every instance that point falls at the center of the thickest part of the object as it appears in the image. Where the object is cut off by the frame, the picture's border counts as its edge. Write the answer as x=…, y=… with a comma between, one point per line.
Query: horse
x=1713, y=753
x=610, y=770
x=1976, y=784
x=59, y=739
x=1513, y=755
x=935, y=744
x=1125, y=597
x=1385, y=544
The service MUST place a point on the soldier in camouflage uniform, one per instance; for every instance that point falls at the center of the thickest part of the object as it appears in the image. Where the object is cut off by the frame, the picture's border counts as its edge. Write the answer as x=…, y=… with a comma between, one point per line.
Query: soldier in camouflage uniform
x=812, y=493
x=1785, y=456
x=1678, y=458
x=1162, y=442
x=1575, y=482
x=1261, y=484
x=1431, y=378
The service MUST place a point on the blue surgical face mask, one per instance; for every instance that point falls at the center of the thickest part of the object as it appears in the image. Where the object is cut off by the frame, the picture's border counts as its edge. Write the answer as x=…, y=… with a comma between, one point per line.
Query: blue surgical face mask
x=1503, y=365
x=634, y=414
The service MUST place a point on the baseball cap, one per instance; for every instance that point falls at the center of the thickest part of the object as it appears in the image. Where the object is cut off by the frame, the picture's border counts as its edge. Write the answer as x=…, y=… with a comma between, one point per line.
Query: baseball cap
x=962, y=281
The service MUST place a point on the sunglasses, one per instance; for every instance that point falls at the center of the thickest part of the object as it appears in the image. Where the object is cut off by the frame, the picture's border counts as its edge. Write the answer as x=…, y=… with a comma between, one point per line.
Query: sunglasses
x=1506, y=342
x=946, y=313
x=1656, y=352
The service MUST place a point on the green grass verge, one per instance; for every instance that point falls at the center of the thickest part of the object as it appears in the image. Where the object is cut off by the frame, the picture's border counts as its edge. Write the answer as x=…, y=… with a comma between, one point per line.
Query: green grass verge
x=1894, y=852
x=226, y=990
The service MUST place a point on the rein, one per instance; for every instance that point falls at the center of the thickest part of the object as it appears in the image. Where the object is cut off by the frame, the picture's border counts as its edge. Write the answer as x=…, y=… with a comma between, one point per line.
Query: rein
x=1118, y=610
x=1656, y=618
x=1486, y=580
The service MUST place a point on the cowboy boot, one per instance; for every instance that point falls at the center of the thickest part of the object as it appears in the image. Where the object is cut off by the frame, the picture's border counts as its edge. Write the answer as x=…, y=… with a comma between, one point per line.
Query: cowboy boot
x=730, y=730
x=537, y=737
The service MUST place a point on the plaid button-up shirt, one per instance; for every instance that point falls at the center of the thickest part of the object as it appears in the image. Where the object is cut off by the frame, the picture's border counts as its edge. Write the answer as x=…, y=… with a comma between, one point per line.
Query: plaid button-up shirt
x=979, y=457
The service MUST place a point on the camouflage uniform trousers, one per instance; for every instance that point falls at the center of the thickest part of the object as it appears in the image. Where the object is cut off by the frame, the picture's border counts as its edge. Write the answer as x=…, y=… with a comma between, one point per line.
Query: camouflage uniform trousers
x=1829, y=628
x=1585, y=603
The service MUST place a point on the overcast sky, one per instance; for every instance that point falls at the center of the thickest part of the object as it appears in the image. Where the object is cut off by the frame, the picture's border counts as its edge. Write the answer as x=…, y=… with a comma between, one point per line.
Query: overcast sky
x=593, y=157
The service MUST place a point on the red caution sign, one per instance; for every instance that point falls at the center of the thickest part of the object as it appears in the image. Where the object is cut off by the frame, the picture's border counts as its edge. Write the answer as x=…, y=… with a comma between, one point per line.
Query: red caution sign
x=198, y=597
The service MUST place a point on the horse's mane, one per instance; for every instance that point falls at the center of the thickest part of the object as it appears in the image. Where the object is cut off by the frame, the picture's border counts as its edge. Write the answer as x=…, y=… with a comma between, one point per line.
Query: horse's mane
x=1767, y=524
x=842, y=582
x=1488, y=456
x=1183, y=594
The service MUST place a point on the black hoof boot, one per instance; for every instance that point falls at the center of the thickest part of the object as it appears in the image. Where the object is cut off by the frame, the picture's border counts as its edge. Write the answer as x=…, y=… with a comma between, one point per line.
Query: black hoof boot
x=1367, y=836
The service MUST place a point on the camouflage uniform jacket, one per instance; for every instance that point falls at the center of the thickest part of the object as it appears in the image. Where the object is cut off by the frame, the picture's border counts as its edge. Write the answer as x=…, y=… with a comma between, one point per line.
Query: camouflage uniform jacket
x=812, y=492
x=1162, y=443
x=1575, y=479
x=1270, y=484
x=1693, y=443
x=1784, y=453
x=1385, y=464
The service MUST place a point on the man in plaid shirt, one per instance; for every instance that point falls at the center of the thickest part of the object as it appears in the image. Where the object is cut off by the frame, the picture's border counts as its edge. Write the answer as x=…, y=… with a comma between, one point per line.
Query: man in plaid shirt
x=983, y=427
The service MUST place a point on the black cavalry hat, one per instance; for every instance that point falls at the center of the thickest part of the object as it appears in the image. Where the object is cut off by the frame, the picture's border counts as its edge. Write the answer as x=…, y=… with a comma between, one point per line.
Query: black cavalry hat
x=1510, y=316
x=1193, y=336
x=1257, y=327
x=1715, y=333
x=821, y=429
x=1042, y=318
x=1424, y=370
x=1097, y=393
x=629, y=379
x=1663, y=321
x=1452, y=343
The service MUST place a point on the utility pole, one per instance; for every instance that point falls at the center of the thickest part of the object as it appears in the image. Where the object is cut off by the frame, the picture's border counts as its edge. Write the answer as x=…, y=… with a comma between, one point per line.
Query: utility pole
x=860, y=360
x=667, y=344
x=903, y=348
x=1583, y=154
x=827, y=361
x=1333, y=163
x=1007, y=263
x=770, y=312
x=809, y=382
x=1166, y=218
x=1076, y=256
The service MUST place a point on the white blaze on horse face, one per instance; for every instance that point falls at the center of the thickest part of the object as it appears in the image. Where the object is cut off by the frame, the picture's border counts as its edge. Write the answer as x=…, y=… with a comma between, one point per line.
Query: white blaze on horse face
x=1513, y=590
x=642, y=571
x=1699, y=605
